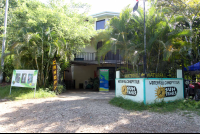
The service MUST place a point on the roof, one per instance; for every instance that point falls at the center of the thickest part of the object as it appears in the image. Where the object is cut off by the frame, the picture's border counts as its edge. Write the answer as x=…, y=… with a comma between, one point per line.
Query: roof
x=105, y=14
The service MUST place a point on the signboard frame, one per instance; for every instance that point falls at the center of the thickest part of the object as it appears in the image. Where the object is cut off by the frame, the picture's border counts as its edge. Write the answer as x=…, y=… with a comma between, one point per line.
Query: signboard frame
x=24, y=78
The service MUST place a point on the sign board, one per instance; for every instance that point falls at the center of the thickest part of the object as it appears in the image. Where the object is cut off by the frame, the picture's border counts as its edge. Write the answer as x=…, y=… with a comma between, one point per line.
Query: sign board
x=149, y=75
x=24, y=78
x=131, y=89
x=167, y=90
x=104, y=80
x=54, y=71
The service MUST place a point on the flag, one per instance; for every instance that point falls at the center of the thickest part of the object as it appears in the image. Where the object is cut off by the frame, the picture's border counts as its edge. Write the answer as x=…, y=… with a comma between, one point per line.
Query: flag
x=136, y=6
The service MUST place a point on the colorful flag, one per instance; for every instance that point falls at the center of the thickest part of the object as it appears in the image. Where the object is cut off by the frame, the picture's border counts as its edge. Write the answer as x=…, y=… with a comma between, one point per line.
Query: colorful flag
x=136, y=6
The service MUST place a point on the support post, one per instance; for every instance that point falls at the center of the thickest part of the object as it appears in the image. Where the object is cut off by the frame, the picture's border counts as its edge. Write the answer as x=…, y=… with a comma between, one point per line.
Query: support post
x=4, y=42
x=145, y=62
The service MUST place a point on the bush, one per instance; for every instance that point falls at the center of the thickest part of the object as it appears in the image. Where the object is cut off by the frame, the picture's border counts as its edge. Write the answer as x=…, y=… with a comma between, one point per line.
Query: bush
x=8, y=68
x=60, y=89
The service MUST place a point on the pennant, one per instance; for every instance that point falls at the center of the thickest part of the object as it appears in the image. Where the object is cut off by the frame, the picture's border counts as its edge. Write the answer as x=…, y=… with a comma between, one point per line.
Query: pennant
x=136, y=6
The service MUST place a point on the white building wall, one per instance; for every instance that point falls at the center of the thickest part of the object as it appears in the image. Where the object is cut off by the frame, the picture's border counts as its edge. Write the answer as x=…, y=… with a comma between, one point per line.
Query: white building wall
x=82, y=73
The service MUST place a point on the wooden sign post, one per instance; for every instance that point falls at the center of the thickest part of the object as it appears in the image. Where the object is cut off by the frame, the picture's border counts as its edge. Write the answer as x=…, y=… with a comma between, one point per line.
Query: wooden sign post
x=54, y=69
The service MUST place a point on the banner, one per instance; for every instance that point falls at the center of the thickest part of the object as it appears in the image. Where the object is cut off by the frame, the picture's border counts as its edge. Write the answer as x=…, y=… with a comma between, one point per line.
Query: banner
x=104, y=80
x=24, y=78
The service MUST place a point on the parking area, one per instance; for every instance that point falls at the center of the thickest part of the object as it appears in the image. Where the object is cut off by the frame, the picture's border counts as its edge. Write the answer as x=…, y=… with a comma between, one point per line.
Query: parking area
x=83, y=111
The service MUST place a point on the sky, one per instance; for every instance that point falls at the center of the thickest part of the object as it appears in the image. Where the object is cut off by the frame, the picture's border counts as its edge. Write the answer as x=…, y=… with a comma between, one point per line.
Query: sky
x=106, y=5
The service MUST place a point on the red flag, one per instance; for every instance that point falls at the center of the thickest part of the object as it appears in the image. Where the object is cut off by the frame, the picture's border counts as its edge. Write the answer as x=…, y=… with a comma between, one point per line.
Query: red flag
x=136, y=6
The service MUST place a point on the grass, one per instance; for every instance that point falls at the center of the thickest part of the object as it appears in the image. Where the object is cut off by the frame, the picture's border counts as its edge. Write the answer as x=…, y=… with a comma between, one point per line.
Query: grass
x=162, y=107
x=19, y=93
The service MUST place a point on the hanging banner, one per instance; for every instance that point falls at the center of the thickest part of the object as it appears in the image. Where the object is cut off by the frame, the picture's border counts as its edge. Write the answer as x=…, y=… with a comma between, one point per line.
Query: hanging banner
x=24, y=78
x=104, y=80
x=54, y=70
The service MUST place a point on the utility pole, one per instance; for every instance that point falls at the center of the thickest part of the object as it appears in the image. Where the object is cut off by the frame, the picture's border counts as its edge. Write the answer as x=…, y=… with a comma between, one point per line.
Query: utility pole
x=145, y=53
x=4, y=42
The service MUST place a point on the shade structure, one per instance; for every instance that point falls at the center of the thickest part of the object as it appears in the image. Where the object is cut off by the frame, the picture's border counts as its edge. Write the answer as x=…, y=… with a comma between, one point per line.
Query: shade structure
x=193, y=67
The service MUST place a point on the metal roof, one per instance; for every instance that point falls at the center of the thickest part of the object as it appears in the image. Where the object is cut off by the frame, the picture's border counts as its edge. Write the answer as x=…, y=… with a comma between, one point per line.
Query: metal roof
x=104, y=14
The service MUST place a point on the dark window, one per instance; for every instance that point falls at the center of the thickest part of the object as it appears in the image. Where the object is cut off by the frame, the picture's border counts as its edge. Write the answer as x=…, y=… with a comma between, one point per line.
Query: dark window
x=99, y=44
x=100, y=24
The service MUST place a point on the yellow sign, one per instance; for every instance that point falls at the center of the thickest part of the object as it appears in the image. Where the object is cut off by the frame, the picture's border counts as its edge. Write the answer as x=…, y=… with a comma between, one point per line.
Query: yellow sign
x=55, y=77
x=54, y=72
x=54, y=68
x=54, y=62
x=124, y=90
x=55, y=82
x=160, y=92
x=149, y=75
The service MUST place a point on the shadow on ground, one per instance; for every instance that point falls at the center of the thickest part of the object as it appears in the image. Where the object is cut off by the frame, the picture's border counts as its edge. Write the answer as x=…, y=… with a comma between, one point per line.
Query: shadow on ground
x=75, y=112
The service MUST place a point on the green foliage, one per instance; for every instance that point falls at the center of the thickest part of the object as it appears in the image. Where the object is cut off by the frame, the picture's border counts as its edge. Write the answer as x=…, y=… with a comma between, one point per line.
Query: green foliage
x=8, y=67
x=38, y=33
x=127, y=104
x=95, y=83
x=60, y=89
x=7, y=79
x=161, y=107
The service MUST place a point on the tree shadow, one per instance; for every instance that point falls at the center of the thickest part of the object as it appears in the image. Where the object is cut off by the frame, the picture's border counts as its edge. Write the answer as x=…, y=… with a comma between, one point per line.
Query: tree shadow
x=85, y=114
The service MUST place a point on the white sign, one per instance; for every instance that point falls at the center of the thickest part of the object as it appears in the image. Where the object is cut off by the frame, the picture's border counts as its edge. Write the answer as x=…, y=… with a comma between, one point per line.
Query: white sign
x=165, y=89
x=24, y=78
x=130, y=89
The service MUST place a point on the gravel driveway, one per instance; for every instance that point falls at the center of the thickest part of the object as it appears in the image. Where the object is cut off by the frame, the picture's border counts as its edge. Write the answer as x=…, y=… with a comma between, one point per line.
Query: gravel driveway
x=88, y=112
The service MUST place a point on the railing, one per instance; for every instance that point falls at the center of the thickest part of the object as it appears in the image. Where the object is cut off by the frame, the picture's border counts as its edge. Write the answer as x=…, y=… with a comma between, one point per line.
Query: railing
x=86, y=56
x=92, y=56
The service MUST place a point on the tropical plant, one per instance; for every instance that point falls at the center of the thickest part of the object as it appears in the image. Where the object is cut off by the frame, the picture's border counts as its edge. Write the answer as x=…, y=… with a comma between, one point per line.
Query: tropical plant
x=39, y=33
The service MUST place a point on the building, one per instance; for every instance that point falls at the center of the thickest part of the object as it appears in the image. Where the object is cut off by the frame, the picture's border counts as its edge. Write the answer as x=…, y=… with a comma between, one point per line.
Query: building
x=85, y=64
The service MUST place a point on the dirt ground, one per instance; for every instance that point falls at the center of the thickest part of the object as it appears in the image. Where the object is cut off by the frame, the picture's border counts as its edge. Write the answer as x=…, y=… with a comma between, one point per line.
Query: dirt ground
x=4, y=84
x=88, y=112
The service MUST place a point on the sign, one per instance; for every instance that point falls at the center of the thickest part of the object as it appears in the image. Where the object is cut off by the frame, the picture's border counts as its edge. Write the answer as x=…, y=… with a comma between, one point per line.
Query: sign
x=167, y=90
x=149, y=75
x=130, y=89
x=54, y=71
x=104, y=80
x=24, y=78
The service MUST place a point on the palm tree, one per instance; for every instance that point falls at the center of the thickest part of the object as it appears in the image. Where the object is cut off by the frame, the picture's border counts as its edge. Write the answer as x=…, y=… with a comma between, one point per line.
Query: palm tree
x=116, y=37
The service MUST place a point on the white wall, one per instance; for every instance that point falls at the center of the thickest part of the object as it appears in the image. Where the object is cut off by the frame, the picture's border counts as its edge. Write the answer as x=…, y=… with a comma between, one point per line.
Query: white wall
x=89, y=49
x=82, y=73
x=130, y=89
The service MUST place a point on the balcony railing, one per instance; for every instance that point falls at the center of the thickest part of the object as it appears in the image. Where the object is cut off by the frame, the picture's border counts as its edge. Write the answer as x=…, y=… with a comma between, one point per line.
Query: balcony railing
x=88, y=56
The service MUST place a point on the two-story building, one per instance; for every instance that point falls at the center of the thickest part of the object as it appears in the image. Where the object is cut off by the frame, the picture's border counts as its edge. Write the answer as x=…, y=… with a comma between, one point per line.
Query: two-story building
x=85, y=64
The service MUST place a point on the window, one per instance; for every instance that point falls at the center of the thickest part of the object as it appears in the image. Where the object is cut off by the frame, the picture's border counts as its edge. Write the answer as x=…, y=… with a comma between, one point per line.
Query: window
x=100, y=24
